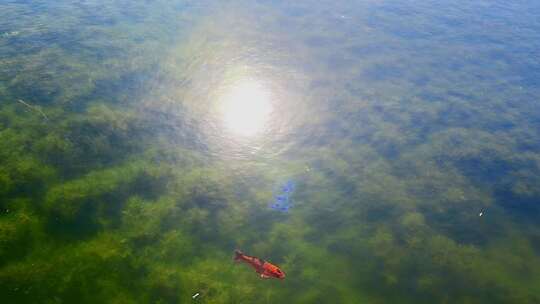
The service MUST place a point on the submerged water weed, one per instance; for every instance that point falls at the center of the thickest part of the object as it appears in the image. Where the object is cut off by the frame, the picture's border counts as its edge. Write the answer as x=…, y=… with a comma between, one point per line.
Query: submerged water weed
x=400, y=123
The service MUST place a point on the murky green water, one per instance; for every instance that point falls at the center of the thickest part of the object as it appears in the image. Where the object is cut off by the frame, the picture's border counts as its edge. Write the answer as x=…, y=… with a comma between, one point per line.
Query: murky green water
x=141, y=142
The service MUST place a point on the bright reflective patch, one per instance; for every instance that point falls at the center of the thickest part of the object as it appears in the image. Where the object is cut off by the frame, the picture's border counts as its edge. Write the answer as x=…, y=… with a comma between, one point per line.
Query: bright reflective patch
x=246, y=108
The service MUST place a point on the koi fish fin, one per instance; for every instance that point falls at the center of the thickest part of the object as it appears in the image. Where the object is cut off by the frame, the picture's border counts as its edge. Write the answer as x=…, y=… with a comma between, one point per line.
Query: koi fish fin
x=264, y=276
x=238, y=255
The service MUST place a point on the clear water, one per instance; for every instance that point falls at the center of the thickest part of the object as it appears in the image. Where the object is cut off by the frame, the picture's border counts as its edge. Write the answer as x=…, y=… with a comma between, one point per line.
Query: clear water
x=141, y=142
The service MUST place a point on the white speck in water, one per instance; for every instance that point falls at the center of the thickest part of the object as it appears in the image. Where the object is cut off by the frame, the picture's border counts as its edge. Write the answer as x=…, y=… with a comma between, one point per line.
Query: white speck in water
x=10, y=34
x=481, y=213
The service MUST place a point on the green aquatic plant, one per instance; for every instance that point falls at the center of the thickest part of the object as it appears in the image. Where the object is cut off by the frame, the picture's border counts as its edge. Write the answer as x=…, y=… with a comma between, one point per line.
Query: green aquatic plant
x=414, y=152
x=68, y=199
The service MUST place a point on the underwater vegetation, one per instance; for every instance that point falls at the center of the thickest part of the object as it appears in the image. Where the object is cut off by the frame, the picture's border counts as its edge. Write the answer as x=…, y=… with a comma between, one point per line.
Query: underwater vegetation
x=411, y=131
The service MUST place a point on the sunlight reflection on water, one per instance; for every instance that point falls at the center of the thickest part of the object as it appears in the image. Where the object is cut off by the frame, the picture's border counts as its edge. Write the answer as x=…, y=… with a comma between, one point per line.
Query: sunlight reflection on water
x=245, y=107
x=243, y=118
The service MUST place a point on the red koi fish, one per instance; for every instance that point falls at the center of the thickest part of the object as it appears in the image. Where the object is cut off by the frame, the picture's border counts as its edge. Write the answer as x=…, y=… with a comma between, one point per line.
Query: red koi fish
x=265, y=269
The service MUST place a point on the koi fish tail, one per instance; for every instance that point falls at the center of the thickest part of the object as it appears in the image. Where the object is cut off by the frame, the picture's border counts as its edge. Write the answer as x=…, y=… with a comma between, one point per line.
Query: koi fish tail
x=238, y=255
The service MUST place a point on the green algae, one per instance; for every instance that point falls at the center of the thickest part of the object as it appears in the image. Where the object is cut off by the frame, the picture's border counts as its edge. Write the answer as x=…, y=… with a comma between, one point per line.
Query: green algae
x=122, y=195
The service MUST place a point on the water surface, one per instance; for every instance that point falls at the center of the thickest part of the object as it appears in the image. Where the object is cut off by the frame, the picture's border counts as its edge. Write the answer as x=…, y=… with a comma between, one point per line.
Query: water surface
x=141, y=142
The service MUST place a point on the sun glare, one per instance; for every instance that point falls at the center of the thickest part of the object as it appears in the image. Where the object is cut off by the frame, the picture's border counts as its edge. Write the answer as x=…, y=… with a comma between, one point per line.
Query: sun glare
x=246, y=108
